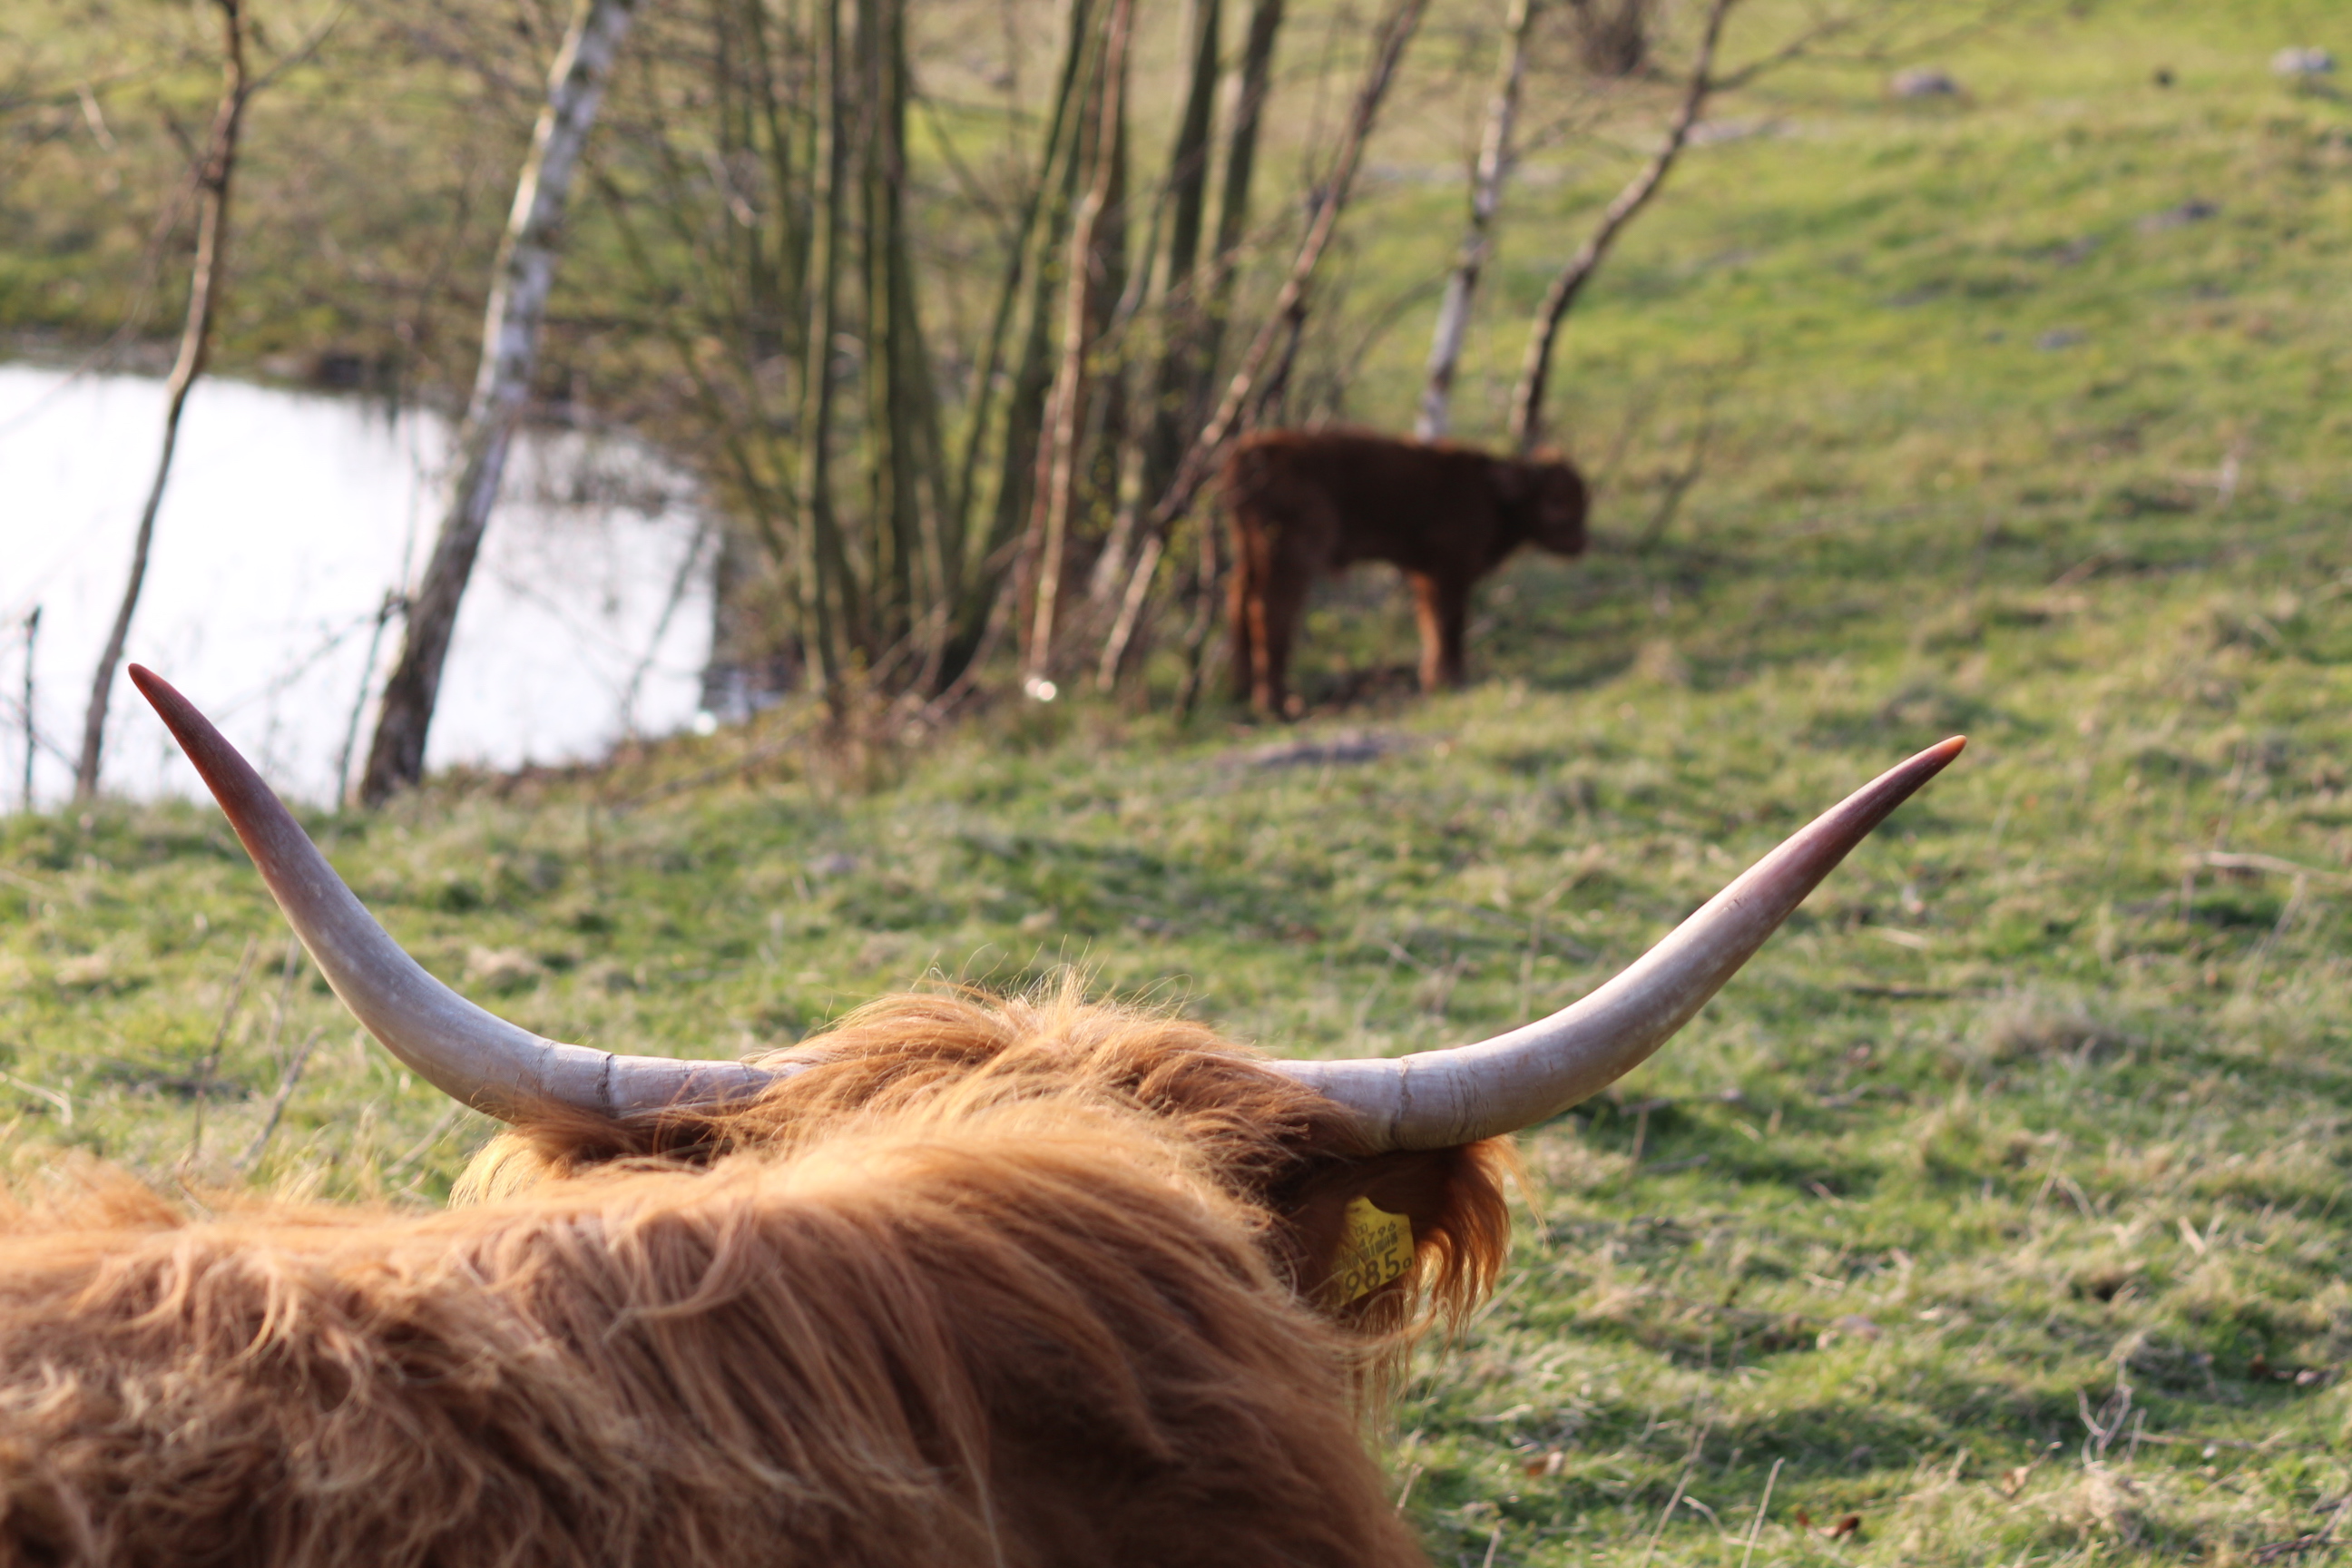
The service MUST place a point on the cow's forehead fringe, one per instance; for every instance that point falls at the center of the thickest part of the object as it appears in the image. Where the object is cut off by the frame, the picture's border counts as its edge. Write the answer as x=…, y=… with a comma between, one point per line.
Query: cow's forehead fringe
x=964, y=1050
x=1287, y=1152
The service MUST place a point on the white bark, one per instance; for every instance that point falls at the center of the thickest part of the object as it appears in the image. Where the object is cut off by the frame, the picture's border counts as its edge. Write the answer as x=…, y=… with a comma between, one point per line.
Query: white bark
x=1059, y=456
x=511, y=333
x=1479, y=239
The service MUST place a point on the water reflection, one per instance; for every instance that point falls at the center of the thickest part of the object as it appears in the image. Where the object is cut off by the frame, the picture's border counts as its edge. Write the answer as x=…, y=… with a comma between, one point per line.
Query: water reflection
x=287, y=519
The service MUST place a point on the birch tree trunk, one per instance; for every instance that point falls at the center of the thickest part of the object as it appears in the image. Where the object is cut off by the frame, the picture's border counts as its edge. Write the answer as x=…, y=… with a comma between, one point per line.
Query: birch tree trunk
x=1534, y=371
x=1479, y=239
x=511, y=332
x=1059, y=457
x=195, y=341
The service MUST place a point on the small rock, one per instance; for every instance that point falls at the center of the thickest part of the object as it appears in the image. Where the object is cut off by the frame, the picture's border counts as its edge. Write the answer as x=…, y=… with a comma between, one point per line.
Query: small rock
x=1924, y=81
x=2182, y=216
x=1344, y=746
x=2302, y=63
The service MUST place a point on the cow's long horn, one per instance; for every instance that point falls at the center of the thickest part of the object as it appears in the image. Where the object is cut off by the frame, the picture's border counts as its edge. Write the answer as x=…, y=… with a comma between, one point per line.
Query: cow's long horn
x=1441, y=1099
x=474, y=1055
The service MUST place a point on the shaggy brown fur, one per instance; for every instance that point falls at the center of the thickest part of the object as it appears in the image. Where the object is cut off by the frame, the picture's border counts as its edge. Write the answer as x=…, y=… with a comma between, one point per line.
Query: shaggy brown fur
x=1276, y=1144
x=1028, y=1284
x=1306, y=503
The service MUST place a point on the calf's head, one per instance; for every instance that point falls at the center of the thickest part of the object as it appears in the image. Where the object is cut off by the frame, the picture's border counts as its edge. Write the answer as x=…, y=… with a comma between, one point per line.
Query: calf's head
x=1547, y=495
x=1378, y=1179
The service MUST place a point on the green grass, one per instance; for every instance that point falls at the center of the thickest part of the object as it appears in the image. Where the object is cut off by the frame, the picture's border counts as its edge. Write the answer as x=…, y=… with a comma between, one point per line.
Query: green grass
x=2031, y=1103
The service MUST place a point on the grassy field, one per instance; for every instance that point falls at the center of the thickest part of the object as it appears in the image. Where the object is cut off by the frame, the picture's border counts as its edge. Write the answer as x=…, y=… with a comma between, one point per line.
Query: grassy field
x=1991, y=1217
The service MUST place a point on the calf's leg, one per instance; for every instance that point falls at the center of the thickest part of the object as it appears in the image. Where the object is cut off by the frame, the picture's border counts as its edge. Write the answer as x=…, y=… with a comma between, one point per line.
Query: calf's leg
x=1280, y=600
x=1442, y=606
x=1243, y=611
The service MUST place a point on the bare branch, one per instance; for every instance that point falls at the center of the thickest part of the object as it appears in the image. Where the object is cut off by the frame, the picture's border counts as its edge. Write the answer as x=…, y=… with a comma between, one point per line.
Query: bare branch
x=1526, y=399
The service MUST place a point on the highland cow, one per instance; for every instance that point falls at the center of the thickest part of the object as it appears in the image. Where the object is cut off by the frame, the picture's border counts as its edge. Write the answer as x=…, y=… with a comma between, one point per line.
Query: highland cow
x=1031, y=1282
x=1305, y=504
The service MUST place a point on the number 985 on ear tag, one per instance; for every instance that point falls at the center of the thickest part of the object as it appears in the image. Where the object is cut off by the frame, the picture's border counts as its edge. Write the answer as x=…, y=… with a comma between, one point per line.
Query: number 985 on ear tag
x=1375, y=1247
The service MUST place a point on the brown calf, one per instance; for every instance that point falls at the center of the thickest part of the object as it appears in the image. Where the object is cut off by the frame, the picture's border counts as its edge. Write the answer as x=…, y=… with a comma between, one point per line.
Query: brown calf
x=1306, y=503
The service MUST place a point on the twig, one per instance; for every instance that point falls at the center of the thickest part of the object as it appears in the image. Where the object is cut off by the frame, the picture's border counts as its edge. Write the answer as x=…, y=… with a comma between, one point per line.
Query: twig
x=424, y=1145
x=214, y=171
x=2013, y=1486
x=1690, y=1464
x=2323, y=1537
x=2223, y=861
x=220, y=1036
x=59, y=1097
x=1535, y=370
x=32, y=634
x=286, y=1083
x=1756, y=1524
x=392, y=601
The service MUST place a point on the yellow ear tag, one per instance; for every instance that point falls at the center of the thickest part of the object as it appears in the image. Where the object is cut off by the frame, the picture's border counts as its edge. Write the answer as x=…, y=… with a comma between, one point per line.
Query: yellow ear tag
x=1375, y=1247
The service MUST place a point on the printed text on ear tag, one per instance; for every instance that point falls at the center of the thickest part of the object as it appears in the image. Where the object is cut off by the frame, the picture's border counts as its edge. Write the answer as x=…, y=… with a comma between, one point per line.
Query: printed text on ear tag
x=1375, y=1247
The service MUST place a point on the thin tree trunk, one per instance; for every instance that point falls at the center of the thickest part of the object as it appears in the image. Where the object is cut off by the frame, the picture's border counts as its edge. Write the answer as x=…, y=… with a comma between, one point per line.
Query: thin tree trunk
x=195, y=341
x=820, y=565
x=32, y=636
x=1059, y=457
x=1246, y=394
x=511, y=333
x=989, y=604
x=1172, y=397
x=1479, y=239
x=1534, y=371
x=1241, y=166
x=1290, y=313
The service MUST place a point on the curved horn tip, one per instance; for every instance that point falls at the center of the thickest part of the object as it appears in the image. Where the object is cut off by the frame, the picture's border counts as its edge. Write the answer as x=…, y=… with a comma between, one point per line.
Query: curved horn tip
x=1944, y=750
x=473, y=1056
x=1443, y=1097
x=1901, y=782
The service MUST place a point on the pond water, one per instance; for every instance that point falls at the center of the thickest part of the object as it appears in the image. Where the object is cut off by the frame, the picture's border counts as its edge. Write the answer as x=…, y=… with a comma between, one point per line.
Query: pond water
x=287, y=519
